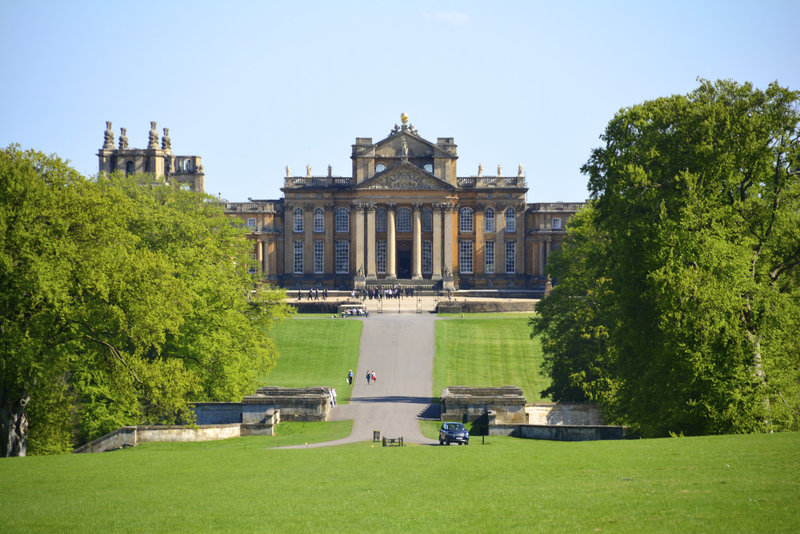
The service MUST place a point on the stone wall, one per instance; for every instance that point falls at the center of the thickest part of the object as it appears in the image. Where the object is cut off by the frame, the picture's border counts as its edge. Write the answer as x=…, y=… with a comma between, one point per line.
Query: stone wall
x=559, y=432
x=563, y=413
x=293, y=404
x=462, y=403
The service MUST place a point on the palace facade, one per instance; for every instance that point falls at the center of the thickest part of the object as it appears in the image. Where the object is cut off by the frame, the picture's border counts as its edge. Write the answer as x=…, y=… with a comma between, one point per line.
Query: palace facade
x=404, y=217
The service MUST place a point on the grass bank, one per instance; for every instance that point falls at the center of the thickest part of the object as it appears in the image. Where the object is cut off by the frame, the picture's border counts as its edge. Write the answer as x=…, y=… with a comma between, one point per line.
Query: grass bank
x=488, y=351
x=706, y=484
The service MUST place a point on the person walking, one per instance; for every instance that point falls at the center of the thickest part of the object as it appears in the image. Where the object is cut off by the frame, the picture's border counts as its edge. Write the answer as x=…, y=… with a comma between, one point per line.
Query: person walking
x=350, y=377
x=369, y=377
x=374, y=378
x=333, y=396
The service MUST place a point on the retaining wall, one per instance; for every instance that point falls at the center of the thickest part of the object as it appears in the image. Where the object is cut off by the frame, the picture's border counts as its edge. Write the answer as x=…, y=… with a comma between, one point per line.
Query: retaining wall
x=559, y=432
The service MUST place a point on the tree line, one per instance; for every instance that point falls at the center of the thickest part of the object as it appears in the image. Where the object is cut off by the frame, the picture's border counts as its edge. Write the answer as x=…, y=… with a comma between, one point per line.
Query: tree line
x=677, y=307
x=122, y=299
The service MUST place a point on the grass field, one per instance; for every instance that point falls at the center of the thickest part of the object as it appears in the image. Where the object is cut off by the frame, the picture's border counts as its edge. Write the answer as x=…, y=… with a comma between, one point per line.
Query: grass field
x=711, y=484
x=488, y=351
x=315, y=352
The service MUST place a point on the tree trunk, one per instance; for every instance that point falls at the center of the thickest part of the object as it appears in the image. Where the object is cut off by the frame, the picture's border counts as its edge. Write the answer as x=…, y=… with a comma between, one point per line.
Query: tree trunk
x=13, y=425
x=755, y=342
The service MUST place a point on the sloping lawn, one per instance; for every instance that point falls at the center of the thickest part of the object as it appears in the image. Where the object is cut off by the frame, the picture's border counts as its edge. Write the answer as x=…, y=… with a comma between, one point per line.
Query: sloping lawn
x=708, y=484
x=315, y=352
x=488, y=351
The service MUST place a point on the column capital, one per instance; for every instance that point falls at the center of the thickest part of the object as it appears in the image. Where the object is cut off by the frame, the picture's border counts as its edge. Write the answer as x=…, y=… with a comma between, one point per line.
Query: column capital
x=371, y=206
x=391, y=206
x=500, y=206
x=479, y=206
x=308, y=206
x=329, y=206
x=417, y=206
x=357, y=206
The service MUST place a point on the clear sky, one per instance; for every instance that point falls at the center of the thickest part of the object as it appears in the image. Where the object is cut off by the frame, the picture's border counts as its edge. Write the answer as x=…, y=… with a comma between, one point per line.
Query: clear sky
x=255, y=86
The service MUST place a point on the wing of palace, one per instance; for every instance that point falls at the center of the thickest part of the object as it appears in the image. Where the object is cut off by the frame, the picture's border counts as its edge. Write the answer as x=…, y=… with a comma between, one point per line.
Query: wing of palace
x=404, y=217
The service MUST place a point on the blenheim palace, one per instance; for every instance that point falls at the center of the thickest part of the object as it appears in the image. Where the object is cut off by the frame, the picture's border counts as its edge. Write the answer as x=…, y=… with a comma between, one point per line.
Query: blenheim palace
x=404, y=217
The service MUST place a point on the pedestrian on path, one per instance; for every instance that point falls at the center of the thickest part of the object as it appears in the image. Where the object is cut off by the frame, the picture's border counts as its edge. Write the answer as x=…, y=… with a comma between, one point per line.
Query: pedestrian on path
x=369, y=377
x=374, y=378
x=350, y=377
x=333, y=396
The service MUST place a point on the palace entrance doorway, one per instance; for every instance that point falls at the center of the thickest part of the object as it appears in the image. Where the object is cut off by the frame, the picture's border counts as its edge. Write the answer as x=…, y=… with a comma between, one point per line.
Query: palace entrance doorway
x=403, y=259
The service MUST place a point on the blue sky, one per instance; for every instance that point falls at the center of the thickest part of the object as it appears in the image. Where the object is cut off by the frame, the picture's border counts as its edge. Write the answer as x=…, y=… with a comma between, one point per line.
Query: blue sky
x=255, y=86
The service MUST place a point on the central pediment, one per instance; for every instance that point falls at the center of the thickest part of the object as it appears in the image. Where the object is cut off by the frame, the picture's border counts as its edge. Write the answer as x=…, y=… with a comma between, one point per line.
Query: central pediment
x=404, y=176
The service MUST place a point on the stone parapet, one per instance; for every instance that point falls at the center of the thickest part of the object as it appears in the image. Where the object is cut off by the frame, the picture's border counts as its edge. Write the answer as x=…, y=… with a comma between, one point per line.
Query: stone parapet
x=462, y=403
x=564, y=413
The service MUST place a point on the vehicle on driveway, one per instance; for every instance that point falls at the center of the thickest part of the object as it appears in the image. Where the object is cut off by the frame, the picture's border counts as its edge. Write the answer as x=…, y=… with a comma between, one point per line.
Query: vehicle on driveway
x=453, y=433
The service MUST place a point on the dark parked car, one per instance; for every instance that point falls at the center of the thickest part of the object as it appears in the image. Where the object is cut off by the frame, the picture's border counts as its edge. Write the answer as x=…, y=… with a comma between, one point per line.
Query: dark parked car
x=453, y=433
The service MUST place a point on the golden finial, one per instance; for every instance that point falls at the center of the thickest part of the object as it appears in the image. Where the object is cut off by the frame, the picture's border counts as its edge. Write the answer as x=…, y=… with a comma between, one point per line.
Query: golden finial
x=404, y=117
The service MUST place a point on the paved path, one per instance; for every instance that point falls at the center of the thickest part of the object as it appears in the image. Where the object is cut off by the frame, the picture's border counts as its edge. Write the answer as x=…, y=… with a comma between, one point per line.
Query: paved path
x=399, y=347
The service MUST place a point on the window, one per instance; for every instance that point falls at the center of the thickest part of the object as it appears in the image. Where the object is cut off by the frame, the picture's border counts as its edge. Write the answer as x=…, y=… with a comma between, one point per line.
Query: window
x=511, y=222
x=380, y=256
x=465, y=257
x=342, y=220
x=428, y=168
x=556, y=223
x=298, y=220
x=465, y=221
x=298, y=257
x=129, y=168
x=319, y=257
x=427, y=220
x=343, y=257
x=427, y=257
x=511, y=247
x=488, y=217
x=490, y=257
x=251, y=222
x=404, y=220
x=380, y=220
x=319, y=220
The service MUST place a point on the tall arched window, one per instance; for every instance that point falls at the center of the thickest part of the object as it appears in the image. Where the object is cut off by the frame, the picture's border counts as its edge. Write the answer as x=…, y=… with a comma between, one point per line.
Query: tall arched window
x=427, y=220
x=129, y=168
x=298, y=220
x=380, y=219
x=511, y=222
x=319, y=220
x=404, y=220
x=465, y=220
x=488, y=217
x=342, y=220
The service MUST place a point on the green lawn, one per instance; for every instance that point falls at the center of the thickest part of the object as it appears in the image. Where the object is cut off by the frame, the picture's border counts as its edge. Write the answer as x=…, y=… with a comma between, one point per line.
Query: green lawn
x=315, y=352
x=488, y=351
x=708, y=484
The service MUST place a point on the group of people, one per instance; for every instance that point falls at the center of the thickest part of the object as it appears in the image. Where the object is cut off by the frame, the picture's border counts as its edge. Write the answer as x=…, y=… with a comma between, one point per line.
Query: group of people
x=313, y=294
x=352, y=312
x=371, y=377
x=332, y=396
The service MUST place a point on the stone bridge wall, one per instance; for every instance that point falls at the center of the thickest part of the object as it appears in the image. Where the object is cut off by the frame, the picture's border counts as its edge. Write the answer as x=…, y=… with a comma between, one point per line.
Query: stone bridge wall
x=461, y=403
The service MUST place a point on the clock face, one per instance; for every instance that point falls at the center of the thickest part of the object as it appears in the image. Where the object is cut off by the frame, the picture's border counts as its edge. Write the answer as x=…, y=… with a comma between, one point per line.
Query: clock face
x=380, y=167
x=428, y=167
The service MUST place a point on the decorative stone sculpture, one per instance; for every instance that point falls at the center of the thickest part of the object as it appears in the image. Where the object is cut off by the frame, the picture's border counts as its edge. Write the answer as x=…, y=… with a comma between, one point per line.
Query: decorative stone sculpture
x=499, y=170
x=288, y=172
x=520, y=171
x=123, y=138
x=405, y=148
x=330, y=171
x=153, y=142
x=480, y=170
x=308, y=171
x=166, y=142
x=108, y=137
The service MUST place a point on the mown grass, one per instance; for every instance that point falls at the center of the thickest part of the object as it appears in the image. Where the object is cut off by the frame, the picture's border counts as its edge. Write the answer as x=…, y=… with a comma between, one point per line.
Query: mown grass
x=708, y=484
x=315, y=352
x=488, y=351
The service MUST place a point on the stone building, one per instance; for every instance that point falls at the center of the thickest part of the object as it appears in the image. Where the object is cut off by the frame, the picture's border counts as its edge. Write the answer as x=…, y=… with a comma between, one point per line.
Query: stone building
x=159, y=160
x=404, y=216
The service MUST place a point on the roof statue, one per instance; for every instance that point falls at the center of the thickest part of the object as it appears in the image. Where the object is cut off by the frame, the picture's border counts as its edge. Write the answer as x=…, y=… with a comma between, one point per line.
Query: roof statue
x=520, y=171
x=480, y=170
x=288, y=172
x=404, y=118
x=308, y=171
x=499, y=170
x=153, y=141
x=123, y=138
x=166, y=142
x=108, y=137
x=405, y=148
x=330, y=171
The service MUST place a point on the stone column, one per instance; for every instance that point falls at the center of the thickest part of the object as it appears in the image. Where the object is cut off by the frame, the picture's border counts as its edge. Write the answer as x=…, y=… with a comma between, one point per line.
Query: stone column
x=448, y=239
x=288, y=241
x=371, y=273
x=416, y=253
x=329, y=250
x=437, y=241
x=259, y=255
x=391, y=236
x=265, y=270
x=358, y=237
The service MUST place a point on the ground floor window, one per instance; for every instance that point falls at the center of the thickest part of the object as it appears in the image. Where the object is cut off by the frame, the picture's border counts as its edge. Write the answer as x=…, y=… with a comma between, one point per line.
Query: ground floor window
x=465, y=257
x=427, y=257
x=298, y=257
x=319, y=257
x=490, y=257
x=380, y=256
x=511, y=247
x=343, y=256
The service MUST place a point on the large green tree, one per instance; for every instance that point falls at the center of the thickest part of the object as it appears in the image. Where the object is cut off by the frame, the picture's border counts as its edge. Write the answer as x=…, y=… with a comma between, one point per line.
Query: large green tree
x=122, y=299
x=695, y=226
